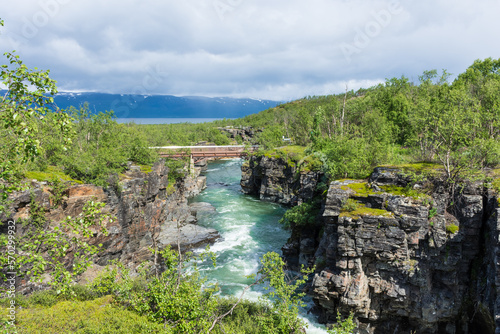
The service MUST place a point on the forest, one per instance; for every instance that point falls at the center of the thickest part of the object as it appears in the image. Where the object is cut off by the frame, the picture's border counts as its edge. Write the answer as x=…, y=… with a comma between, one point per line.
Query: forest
x=454, y=124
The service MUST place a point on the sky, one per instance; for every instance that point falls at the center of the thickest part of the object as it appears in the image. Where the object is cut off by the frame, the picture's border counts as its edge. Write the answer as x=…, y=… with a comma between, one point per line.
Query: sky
x=262, y=49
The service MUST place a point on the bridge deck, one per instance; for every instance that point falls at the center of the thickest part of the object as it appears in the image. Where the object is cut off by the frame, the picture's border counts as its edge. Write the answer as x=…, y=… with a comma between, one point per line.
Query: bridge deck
x=226, y=151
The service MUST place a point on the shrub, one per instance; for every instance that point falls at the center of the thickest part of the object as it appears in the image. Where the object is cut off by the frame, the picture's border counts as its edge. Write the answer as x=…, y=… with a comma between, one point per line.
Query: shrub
x=176, y=169
x=349, y=205
x=301, y=215
x=180, y=301
x=58, y=189
x=452, y=229
x=432, y=212
x=96, y=316
x=345, y=326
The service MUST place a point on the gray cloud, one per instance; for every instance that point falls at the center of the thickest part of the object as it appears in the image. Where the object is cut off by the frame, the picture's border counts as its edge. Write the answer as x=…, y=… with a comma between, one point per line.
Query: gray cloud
x=262, y=49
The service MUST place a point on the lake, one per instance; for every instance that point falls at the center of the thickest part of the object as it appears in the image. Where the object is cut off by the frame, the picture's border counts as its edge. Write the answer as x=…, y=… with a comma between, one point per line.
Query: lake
x=167, y=120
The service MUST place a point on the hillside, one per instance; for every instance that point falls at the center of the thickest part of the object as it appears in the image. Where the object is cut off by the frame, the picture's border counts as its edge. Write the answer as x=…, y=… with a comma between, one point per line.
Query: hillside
x=164, y=106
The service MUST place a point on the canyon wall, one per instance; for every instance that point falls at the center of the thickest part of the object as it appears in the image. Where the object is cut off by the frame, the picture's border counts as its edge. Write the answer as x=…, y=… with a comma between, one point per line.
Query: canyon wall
x=149, y=212
x=402, y=256
x=274, y=180
x=403, y=264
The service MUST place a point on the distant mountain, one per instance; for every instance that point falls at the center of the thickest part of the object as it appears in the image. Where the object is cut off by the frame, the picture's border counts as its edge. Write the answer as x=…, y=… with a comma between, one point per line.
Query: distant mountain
x=164, y=106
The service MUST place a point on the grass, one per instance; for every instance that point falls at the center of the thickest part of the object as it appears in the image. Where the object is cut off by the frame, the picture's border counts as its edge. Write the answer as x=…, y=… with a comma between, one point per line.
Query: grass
x=362, y=210
x=362, y=189
x=49, y=174
x=293, y=153
x=293, y=150
x=171, y=188
x=146, y=168
x=452, y=229
x=408, y=192
x=42, y=312
x=310, y=163
x=349, y=205
x=95, y=316
x=295, y=156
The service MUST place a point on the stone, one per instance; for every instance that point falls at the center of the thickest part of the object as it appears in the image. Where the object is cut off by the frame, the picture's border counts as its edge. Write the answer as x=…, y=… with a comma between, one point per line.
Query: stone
x=188, y=236
x=199, y=209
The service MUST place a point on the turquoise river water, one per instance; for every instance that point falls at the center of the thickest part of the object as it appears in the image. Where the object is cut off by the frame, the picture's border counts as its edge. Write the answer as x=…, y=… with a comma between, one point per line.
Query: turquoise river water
x=249, y=228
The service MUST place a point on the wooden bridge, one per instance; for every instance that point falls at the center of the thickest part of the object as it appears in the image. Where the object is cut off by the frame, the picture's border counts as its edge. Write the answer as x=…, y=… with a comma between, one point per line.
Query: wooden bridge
x=203, y=152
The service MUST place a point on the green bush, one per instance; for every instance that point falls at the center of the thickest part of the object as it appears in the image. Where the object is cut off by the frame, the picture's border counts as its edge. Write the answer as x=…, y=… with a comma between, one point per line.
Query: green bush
x=99, y=316
x=176, y=169
x=304, y=214
x=312, y=163
x=452, y=229
x=347, y=157
x=245, y=317
x=432, y=212
x=349, y=205
x=345, y=326
x=45, y=298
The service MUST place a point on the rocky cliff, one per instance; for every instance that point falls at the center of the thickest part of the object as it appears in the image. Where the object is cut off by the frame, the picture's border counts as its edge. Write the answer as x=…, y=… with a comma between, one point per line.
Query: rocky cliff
x=404, y=256
x=245, y=134
x=149, y=210
x=275, y=180
x=407, y=263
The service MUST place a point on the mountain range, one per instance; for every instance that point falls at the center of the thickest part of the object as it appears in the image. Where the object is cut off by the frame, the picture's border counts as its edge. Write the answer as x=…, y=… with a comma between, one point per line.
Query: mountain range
x=164, y=106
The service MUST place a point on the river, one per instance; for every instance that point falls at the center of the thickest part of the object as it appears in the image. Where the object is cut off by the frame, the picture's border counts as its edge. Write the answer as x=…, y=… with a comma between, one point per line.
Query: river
x=249, y=228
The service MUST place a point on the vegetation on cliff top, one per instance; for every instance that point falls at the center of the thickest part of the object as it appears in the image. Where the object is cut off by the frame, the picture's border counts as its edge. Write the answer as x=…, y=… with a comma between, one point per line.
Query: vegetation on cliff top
x=356, y=210
x=399, y=122
x=363, y=189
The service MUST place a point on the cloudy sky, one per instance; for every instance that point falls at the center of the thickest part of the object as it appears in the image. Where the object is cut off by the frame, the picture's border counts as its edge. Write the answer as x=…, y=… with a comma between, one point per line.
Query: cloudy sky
x=269, y=49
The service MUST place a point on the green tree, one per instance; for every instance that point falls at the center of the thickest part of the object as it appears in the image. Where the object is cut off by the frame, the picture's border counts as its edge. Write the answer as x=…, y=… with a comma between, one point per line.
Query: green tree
x=482, y=79
x=175, y=298
x=62, y=250
x=271, y=137
x=346, y=157
x=103, y=147
x=394, y=102
x=421, y=113
x=41, y=246
x=284, y=296
x=346, y=326
x=22, y=111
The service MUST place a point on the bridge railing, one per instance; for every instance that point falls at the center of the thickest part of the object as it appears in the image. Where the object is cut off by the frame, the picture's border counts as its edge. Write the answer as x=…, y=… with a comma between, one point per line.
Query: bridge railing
x=205, y=151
